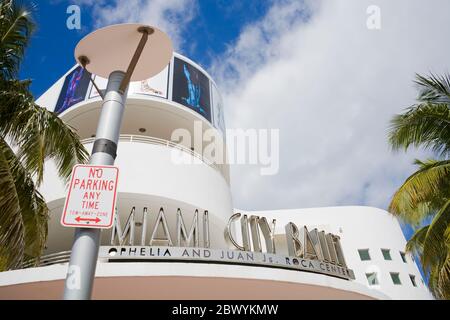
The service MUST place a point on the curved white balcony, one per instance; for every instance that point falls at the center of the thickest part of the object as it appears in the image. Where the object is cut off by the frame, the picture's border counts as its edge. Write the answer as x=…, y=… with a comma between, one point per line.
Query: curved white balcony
x=161, y=142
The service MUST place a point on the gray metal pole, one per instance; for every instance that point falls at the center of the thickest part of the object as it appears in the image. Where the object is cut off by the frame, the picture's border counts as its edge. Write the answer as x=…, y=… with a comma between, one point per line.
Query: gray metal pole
x=83, y=259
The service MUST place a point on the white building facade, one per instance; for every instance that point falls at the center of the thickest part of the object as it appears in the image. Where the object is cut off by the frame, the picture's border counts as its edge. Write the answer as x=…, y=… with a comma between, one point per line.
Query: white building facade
x=177, y=234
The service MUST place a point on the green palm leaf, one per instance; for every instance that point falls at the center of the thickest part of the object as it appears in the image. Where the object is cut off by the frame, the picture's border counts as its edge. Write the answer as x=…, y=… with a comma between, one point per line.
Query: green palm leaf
x=434, y=89
x=423, y=193
x=415, y=244
x=36, y=135
x=426, y=192
x=425, y=125
x=16, y=27
x=444, y=277
x=435, y=240
x=12, y=240
x=46, y=136
x=34, y=211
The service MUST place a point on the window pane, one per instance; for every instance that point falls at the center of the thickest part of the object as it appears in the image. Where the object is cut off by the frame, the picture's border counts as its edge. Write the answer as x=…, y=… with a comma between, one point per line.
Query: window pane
x=364, y=254
x=372, y=278
x=386, y=254
x=395, y=278
x=403, y=255
x=413, y=280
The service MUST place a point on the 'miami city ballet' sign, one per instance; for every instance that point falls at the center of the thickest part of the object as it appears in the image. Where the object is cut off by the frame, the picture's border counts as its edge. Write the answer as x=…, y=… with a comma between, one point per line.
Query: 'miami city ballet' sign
x=312, y=251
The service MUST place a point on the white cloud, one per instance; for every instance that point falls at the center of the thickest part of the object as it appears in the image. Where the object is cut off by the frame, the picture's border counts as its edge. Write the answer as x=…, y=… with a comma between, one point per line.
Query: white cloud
x=171, y=16
x=331, y=86
x=313, y=70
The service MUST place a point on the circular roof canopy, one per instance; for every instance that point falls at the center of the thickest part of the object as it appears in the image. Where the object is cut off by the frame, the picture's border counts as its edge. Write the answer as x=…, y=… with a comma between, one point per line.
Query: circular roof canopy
x=112, y=48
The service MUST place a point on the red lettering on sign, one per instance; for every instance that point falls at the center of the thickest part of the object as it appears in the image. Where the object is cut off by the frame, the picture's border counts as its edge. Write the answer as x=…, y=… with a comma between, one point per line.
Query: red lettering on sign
x=91, y=198
x=90, y=205
x=95, y=173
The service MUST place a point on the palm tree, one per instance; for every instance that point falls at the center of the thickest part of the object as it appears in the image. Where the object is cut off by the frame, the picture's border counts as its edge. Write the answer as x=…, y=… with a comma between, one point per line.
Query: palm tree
x=29, y=135
x=425, y=195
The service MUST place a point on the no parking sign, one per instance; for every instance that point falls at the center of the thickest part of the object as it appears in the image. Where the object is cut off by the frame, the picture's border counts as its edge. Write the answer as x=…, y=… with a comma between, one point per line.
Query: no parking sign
x=91, y=198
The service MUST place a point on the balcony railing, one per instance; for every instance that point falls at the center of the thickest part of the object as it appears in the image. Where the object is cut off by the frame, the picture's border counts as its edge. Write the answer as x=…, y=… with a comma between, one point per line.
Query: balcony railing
x=51, y=259
x=166, y=143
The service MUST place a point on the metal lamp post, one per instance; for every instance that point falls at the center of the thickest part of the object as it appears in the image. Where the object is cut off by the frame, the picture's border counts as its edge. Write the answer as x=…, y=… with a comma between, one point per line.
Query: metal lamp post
x=106, y=53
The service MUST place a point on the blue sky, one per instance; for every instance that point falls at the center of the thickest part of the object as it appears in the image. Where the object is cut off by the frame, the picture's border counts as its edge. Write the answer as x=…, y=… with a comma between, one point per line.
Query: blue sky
x=51, y=52
x=312, y=69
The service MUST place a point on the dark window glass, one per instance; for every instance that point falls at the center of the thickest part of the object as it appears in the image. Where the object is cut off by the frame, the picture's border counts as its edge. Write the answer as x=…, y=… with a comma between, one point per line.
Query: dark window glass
x=413, y=280
x=364, y=254
x=403, y=255
x=372, y=278
x=395, y=276
x=386, y=254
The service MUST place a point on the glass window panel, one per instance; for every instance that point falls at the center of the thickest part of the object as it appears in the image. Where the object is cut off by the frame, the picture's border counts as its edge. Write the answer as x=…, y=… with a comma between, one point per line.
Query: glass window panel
x=403, y=255
x=386, y=254
x=364, y=254
x=413, y=280
x=372, y=278
x=396, y=278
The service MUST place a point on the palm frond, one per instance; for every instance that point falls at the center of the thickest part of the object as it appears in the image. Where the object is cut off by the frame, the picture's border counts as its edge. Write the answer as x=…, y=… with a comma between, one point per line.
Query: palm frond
x=433, y=282
x=14, y=99
x=425, y=125
x=415, y=244
x=423, y=193
x=48, y=137
x=12, y=239
x=444, y=278
x=434, y=89
x=438, y=269
x=33, y=209
x=427, y=192
x=38, y=133
x=16, y=27
x=435, y=240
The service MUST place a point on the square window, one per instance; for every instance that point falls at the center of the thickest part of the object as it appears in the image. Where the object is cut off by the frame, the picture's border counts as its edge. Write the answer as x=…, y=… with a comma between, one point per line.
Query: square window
x=396, y=278
x=364, y=254
x=372, y=279
x=403, y=255
x=386, y=254
x=413, y=280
